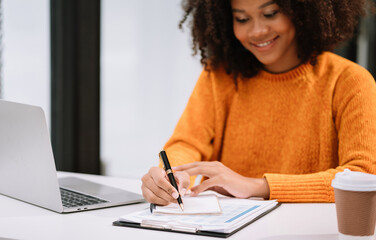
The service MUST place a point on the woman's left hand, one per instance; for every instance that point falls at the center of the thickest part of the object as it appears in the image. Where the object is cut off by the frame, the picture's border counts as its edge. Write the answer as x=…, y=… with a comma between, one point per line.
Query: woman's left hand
x=225, y=181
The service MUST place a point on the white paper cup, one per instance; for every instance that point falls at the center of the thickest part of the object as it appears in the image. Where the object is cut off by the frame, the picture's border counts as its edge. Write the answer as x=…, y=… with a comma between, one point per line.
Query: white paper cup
x=355, y=197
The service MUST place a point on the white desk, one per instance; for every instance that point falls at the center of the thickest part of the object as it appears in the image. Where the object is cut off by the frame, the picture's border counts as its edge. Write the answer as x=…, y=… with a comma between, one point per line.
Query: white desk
x=19, y=220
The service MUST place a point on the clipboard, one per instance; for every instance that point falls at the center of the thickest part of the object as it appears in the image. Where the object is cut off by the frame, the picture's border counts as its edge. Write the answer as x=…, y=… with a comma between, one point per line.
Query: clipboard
x=187, y=229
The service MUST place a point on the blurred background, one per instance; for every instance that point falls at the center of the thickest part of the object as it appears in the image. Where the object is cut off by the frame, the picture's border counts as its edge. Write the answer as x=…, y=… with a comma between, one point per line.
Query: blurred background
x=112, y=76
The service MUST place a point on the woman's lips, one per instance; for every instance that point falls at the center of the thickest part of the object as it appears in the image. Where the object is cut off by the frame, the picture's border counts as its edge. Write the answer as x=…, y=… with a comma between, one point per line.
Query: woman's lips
x=264, y=45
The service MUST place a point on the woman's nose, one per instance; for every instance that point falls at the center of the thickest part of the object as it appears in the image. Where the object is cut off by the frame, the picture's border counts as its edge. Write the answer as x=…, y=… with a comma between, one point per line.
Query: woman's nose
x=258, y=29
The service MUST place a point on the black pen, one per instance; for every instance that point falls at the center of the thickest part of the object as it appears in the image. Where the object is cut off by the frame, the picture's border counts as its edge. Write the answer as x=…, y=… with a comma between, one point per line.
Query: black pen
x=170, y=175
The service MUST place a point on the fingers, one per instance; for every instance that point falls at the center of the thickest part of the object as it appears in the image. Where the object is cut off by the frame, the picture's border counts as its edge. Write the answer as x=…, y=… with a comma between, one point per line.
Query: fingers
x=185, y=166
x=152, y=198
x=153, y=194
x=208, y=169
x=156, y=188
x=161, y=183
x=205, y=185
x=182, y=179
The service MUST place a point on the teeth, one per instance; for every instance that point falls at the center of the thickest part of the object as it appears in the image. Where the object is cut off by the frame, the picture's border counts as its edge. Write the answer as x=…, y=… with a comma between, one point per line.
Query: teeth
x=264, y=44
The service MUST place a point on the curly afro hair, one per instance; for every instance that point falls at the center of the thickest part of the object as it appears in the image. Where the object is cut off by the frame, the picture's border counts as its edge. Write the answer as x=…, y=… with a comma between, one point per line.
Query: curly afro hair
x=320, y=25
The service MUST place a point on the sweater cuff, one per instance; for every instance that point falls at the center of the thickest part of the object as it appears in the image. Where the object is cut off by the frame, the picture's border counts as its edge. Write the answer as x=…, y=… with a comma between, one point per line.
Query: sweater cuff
x=300, y=188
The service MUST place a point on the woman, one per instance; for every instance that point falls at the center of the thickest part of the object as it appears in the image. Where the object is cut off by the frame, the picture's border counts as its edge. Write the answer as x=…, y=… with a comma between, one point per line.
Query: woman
x=274, y=113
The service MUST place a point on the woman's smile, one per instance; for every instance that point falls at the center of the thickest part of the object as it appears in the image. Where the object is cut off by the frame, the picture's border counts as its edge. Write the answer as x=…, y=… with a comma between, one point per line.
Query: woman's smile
x=265, y=45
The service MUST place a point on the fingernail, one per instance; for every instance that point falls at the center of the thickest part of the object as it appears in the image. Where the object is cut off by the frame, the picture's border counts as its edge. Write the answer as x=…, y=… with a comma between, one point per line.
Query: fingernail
x=182, y=191
x=188, y=191
x=173, y=168
x=175, y=195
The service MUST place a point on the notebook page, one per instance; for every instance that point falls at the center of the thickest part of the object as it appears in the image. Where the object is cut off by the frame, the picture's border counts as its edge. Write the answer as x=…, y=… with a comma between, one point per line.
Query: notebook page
x=204, y=204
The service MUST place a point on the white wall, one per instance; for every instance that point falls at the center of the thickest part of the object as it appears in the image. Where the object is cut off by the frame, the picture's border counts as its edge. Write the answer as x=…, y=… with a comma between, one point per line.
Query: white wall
x=147, y=75
x=26, y=52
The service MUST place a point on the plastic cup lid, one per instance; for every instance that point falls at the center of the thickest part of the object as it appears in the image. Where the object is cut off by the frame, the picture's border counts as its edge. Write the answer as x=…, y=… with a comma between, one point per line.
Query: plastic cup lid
x=354, y=181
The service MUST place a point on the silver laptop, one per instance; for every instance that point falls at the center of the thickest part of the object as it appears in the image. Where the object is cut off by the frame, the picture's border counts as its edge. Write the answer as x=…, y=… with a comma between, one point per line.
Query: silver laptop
x=28, y=172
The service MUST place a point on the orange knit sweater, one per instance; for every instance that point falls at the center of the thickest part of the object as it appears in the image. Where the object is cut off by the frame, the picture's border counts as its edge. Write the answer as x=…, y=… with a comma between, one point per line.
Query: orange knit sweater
x=296, y=129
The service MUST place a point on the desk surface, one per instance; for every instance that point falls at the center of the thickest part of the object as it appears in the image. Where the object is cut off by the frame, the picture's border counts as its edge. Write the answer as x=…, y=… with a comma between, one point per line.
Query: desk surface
x=19, y=220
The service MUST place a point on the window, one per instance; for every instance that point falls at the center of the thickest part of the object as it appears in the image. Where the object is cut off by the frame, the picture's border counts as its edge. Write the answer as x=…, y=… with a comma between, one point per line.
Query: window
x=26, y=52
x=147, y=76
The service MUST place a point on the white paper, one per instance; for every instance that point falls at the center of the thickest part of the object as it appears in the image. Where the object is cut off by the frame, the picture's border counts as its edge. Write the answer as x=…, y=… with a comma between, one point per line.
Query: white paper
x=205, y=204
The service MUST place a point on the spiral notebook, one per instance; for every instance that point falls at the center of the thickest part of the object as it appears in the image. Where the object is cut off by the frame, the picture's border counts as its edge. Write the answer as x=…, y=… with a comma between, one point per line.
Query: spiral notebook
x=203, y=204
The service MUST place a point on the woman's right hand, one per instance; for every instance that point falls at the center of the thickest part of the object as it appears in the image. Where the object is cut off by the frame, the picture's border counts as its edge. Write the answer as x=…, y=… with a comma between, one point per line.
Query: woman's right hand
x=157, y=189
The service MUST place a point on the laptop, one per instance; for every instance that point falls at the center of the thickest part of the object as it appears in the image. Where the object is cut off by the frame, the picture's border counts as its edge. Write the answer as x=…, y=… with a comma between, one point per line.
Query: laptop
x=28, y=172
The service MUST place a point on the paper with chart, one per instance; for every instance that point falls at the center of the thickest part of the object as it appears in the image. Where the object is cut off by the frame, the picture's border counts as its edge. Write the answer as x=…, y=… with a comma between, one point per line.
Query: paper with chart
x=203, y=204
x=235, y=213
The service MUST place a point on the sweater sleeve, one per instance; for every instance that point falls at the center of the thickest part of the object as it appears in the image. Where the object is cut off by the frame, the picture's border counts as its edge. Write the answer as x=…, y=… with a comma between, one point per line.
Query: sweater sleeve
x=354, y=113
x=193, y=135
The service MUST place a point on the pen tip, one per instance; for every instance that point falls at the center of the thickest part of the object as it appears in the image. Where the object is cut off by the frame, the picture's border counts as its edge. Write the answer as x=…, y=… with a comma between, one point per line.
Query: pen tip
x=182, y=207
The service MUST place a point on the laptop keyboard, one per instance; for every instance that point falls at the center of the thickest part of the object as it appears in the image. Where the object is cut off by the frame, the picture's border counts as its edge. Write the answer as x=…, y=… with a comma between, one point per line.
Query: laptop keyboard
x=75, y=199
